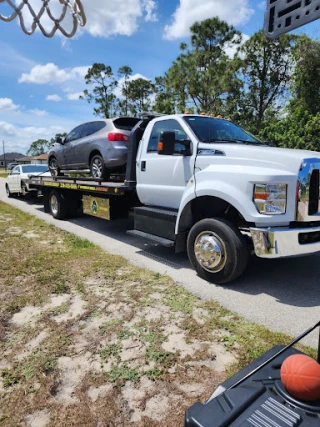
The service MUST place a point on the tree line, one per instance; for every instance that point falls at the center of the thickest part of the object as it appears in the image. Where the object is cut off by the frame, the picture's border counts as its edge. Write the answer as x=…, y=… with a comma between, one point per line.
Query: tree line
x=271, y=87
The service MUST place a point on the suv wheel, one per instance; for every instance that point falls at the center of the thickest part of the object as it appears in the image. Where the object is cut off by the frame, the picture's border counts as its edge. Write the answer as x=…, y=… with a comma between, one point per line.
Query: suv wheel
x=54, y=167
x=98, y=168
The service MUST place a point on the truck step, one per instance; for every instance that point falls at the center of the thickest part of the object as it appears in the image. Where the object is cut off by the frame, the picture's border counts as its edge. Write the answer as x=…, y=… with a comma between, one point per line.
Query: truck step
x=156, y=221
x=151, y=237
x=155, y=212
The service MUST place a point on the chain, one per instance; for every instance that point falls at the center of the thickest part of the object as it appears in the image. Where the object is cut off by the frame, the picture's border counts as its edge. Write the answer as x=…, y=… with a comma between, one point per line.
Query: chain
x=75, y=7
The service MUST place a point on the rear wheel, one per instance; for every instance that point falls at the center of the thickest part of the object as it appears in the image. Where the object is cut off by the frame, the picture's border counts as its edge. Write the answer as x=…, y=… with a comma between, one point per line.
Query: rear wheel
x=217, y=250
x=98, y=168
x=58, y=205
x=9, y=194
x=54, y=167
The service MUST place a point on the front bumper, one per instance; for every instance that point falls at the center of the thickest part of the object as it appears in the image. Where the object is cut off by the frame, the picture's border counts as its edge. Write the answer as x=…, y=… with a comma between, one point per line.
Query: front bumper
x=285, y=242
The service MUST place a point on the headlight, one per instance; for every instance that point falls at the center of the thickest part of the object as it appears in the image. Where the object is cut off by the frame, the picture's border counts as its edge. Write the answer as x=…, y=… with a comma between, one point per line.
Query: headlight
x=270, y=199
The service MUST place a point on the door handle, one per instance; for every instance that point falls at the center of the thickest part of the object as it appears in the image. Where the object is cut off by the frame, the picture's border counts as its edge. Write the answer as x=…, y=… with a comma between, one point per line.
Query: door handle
x=143, y=165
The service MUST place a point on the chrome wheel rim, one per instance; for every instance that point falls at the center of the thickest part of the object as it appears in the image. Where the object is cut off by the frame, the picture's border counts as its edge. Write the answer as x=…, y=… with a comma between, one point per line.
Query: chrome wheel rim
x=54, y=205
x=97, y=168
x=53, y=166
x=23, y=189
x=210, y=251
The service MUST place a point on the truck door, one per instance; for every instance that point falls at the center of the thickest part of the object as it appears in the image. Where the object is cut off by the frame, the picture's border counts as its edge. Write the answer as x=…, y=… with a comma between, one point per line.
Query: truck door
x=162, y=178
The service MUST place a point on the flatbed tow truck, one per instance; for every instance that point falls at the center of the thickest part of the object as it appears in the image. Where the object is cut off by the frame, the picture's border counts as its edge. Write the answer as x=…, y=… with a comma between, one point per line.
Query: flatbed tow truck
x=204, y=185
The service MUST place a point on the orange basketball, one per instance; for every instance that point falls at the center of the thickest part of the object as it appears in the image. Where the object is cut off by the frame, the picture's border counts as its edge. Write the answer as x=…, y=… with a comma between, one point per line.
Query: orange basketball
x=300, y=375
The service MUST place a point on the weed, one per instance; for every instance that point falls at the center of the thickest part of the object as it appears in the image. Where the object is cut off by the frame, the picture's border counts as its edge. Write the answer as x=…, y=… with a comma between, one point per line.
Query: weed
x=60, y=288
x=111, y=350
x=155, y=374
x=160, y=357
x=118, y=375
x=9, y=377
x=125, y=333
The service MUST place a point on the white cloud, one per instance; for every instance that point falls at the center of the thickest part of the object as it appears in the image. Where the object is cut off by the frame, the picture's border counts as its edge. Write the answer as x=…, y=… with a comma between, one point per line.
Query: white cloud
x=39, y=113
x=231, y=51
x=121, y=81
x=150, y=9
x=52, y=74
x=55, y=98
x=74, y=96
x=234, y=12
x=7, y=104
x=12, y=135
x=105, y=18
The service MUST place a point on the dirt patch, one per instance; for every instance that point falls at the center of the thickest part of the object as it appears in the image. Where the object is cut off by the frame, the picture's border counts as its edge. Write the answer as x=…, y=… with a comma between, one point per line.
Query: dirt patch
x=38, y=419
x=34, y=343
x=30, y=315
x=96, y=393
x=77, y=308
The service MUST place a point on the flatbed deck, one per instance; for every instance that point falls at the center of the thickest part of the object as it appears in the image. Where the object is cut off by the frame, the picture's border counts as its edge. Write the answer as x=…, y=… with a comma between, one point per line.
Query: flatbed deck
x=113, y=188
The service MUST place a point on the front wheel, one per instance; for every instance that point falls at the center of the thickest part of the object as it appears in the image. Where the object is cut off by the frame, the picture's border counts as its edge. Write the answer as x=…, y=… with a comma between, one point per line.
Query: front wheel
x=217, y=250
x=98, y=168
x=24, y=189
x=9, y=194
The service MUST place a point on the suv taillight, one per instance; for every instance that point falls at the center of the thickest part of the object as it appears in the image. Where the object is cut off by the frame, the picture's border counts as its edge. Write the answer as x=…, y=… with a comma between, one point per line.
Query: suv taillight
x=116, y=136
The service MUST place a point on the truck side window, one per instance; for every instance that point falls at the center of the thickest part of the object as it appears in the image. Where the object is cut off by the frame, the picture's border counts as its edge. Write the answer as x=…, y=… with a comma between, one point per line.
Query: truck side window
x=167, y=126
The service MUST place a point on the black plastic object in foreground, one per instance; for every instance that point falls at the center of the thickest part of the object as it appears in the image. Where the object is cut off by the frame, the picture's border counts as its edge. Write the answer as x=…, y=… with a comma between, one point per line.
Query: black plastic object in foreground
x=283, y=16
x=255, y=396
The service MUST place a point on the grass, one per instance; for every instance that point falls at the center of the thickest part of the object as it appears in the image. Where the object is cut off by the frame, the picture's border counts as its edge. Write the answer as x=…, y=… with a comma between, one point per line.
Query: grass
x=74, y=318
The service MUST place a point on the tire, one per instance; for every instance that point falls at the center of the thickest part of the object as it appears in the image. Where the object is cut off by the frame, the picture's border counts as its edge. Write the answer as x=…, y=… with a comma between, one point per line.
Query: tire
x=98, y=169
x=9, y=194
x=24, y=190
x=222, y=250
x=54, y=167
x=58, y=205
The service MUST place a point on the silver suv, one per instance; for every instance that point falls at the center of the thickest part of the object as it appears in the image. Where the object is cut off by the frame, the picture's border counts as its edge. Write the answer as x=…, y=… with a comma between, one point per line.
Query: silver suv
x=100, y=146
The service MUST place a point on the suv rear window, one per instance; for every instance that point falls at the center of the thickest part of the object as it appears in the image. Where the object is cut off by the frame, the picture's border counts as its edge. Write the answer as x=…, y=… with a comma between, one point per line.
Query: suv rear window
x=126, y=123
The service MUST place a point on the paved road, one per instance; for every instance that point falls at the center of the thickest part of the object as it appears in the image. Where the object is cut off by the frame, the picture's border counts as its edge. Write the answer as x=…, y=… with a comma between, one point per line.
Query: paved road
x=283, y=295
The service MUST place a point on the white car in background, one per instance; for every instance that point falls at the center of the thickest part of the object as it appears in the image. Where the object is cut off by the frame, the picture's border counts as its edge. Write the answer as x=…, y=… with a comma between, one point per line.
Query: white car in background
x=16, y=180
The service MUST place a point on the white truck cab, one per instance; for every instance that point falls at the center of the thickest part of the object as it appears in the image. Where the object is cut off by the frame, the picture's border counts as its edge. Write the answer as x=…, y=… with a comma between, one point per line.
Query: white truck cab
x=222, y=186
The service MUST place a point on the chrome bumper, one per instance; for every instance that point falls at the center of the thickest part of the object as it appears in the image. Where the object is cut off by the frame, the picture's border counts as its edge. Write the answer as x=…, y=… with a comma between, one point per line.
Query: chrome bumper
x=285, y=242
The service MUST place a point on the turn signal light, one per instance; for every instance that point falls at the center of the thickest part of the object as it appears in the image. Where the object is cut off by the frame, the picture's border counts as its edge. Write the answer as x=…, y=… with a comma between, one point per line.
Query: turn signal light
x=160, y=146
x=116, y=136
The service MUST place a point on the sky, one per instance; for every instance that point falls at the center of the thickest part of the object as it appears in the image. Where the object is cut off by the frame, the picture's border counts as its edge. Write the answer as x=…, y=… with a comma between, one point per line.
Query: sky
x=41, y=78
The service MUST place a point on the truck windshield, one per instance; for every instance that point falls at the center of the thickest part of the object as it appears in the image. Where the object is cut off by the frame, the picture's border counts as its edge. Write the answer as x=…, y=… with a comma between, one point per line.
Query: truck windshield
x=210, y=129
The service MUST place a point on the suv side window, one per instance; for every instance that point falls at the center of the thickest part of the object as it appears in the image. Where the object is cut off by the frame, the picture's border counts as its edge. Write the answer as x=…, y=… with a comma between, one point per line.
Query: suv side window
x=74, y=134
x=99, y=125
x=167, y=126
x=90, y=128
